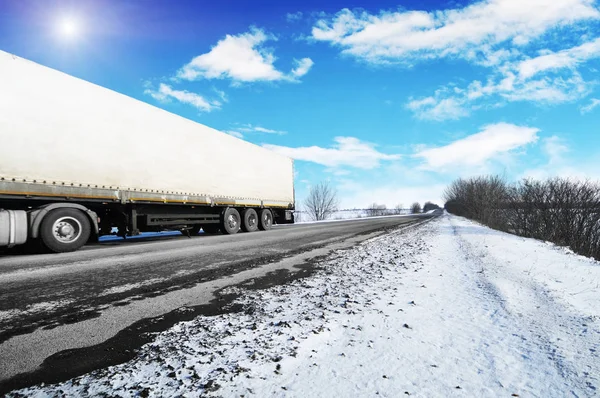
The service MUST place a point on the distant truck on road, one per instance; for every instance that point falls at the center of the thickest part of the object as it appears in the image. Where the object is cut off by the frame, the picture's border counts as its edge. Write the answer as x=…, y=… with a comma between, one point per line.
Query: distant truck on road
x=77, y=160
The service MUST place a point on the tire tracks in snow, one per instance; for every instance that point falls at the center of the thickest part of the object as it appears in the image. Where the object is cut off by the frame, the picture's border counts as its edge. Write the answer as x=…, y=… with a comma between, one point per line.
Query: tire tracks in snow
x=546, y=324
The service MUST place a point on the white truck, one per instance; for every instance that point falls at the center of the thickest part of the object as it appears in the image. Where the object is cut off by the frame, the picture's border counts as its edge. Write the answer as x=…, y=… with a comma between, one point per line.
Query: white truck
x=78, y=160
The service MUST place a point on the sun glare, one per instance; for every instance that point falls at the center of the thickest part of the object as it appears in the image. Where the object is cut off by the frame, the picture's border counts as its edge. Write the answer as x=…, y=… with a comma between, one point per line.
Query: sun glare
x=69, y=28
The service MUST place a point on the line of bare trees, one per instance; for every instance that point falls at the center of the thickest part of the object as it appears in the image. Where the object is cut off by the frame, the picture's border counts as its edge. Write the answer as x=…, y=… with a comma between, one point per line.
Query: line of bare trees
x=375, y=210
x=563, y=211
x=322, y=201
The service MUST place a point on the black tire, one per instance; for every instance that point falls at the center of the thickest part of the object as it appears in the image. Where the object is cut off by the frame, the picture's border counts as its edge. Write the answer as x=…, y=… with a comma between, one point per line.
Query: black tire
x=249, y=220
x=193, y=230
x=211, y=228
x=65, y=230
x=265, y=221
x=230, y=221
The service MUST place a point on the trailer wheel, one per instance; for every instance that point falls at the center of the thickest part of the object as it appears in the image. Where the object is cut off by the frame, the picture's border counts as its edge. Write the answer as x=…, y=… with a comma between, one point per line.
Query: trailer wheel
x=266, y=220
x=230, y=221
x=249, y=220
x=65, y=230
x=211, y=228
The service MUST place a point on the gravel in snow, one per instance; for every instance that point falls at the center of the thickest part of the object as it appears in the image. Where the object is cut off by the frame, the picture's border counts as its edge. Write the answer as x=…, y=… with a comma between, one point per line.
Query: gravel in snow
x=450, y=308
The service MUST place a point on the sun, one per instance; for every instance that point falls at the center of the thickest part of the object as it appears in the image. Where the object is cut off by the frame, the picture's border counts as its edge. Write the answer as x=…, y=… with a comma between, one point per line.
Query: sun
x=69, y=28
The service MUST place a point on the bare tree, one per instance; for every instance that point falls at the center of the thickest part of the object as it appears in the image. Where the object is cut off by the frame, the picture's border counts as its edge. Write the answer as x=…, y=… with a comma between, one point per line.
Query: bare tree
x=321, y=202
x=398, y=208
x=376, y=210
x=415, y=208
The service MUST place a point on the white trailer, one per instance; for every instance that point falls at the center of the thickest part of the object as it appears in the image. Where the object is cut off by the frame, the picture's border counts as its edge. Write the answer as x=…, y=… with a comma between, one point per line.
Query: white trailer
x=77, y=160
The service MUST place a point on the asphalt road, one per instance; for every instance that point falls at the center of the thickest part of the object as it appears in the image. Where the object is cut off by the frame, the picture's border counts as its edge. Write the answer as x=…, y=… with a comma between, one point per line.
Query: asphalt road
x=65, y=314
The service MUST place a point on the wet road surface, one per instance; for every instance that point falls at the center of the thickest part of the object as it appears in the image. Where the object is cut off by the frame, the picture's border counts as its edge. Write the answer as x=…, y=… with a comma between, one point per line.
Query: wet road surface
x=55, y=308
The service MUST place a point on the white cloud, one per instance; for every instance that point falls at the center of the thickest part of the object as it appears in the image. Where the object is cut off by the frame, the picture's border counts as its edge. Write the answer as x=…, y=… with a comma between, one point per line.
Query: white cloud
x=470, y=32
x=504, y=35
x=475, y=150
x=234, y=133
x=249, y=128
x=547, y=90
x=221, y=94
x=348, y=151
x=268, y=131
x=595, y=102
x=450, y=103
x=165, y=93
x=557, y=163
x=568, y=58
x=241, y=58
x=440, y=109
x=554, y=147
x=293, y=16
x=302, y=67
x=239, y=130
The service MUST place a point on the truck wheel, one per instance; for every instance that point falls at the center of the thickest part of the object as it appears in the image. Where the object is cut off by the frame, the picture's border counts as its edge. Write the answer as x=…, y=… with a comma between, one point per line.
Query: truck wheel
x=210, y=228
x=249, y=220
x=266, y=220
x=230, y=221
x=65, y=230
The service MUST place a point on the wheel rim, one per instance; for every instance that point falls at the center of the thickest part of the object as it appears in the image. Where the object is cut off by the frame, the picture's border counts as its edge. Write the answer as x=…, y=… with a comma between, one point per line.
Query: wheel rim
x=252, y=220
x=232, y=221
x=66, y=229
x=267, y=220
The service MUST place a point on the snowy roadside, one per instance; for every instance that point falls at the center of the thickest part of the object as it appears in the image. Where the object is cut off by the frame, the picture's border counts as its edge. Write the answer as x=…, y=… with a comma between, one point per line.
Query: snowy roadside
x=450, y=308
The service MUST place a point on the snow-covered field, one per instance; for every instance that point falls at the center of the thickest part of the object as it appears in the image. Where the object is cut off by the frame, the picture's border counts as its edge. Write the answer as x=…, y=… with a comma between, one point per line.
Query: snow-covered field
x=449, y=308
x=302, y=216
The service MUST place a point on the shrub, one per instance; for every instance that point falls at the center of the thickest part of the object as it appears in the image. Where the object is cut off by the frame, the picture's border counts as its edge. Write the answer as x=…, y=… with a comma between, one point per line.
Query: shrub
x=428, y=206
x=563, y=211
x=415, y=208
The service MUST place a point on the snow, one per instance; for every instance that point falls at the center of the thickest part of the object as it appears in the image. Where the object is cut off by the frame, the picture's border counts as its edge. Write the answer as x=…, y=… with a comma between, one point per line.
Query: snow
x=349, y=217
x=450, y=308
x=33, y=309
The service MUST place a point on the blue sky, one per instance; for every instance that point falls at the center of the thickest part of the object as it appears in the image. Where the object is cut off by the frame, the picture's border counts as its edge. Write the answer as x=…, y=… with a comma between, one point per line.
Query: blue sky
x=388, y=101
